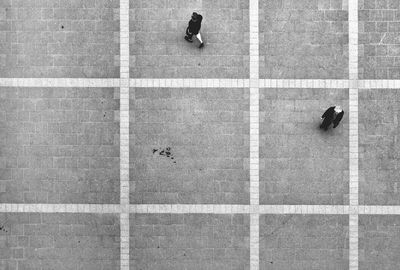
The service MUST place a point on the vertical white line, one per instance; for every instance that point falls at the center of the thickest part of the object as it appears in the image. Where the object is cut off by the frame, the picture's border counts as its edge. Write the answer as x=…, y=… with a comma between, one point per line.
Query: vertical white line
x=353, y=134
x=254, y=136
x=124, y=133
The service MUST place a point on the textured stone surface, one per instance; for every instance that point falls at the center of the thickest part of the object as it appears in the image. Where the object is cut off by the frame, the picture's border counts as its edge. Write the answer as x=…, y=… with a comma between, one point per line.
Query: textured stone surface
x=299, y=163
x=158, y=48
x=303, y=39
x=379, y=39
x=59, y=145
x=74, y=38
x=59, y=241
x=379, y=147
x=379, y=242
x=298, y=242
x=189, y=241
x=189, y=145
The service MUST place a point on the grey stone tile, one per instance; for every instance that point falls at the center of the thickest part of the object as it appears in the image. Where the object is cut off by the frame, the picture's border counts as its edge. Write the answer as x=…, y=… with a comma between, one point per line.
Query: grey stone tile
x=28, y=241
x=303, y=39
x=303, y=242
x=378, y=39
x=60, y=39
x=299, y=163
x=378, y=147
x=189, y=146
x=379, y=240
x=59, y=145
x=158, y=48
x=189, y=241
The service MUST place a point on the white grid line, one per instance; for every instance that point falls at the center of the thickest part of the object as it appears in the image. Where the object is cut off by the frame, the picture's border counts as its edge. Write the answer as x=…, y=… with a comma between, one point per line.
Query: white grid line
x=198, y=83
x=254, y=135
x=353, y=134
x=124, y=134
x=196, y=209
x=254, y=83
x=202, y=209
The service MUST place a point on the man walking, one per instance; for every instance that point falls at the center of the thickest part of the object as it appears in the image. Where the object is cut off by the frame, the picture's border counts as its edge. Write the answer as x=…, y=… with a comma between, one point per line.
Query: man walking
x=194, y=29
x=332, y=115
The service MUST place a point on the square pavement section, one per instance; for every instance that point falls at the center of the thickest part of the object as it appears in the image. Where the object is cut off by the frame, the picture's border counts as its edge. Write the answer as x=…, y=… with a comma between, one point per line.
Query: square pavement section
x=59, y=145
x=189, y=145
x=299, y=242
x=189, y=241
x=379, y=39
x=304, y=39
x=158, y=48
x=379, y=146
x=74, y=38
x=299, y=162
x=379, y=242
x=59, y=241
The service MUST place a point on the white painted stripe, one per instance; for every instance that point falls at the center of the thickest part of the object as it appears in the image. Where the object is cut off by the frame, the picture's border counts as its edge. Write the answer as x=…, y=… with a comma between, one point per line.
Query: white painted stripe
x=124, y=244
x=124, y=133
x=198, y=83
x=190, y=83
x=196, y=209
x=353, y=134
x=58, y=82
x=60, y=208
x=254, y=136
x=254, y=241
x=305, y=209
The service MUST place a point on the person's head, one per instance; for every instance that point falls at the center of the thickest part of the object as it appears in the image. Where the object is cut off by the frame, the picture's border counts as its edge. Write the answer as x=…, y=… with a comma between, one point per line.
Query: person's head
x=338, y=109
x=195, y=16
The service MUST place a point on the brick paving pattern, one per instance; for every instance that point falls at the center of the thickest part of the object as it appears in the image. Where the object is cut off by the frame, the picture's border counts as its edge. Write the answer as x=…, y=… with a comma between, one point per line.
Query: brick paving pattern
x=59, y=145
x=379, y=242
x=379, y=149
x=314, y=242
x=301, y=164
x=303, y=39
x=171, y=175
x=75, y=38
x=379, y=43
x=189, y=241
x=158, y=48
x=59, y=241
x=189, y=145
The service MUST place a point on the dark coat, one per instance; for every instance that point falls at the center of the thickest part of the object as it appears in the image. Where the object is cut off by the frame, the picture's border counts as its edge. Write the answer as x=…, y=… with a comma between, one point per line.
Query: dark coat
x=194, y=26
x=331, y=117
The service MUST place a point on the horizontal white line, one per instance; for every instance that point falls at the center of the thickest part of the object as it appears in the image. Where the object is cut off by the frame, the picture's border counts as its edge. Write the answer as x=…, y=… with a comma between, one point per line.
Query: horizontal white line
x=61, y=208
x=203, y=208
x=58, y=82
x=197, y=83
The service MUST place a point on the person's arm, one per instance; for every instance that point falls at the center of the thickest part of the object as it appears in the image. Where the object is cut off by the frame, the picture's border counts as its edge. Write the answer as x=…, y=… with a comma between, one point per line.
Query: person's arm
x=327, y=112
x=337, y=119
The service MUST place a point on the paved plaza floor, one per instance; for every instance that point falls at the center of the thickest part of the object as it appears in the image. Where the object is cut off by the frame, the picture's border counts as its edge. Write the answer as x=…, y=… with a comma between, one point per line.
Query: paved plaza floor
x=124, y=147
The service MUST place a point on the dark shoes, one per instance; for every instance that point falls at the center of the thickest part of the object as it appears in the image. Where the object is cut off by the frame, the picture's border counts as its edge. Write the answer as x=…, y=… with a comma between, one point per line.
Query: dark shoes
x=188, y=39
x=201, y=45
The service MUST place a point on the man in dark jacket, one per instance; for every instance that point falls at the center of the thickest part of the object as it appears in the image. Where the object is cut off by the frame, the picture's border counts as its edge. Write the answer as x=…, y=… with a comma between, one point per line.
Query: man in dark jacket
x=194, y=28
x=332, y=115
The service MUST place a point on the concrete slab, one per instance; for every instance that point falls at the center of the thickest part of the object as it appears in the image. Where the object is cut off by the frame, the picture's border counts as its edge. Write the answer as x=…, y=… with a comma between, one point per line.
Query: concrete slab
x=189, y=241
x=189, y=145
x=59, y=39
x=379, y=150
x=59, y=145
x=301, y=164
x=289, y=242
x=158, y=48
x=304, y=39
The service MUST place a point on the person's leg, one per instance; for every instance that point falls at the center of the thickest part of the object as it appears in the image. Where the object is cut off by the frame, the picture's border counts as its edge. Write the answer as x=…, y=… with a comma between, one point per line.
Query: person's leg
x=188, y=36
x=201, y=41
x=325, y=124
